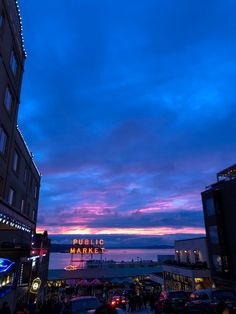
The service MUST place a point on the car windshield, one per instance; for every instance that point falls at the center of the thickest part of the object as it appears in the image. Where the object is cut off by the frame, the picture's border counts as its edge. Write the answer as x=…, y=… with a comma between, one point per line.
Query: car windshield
x=224, y=294
x=78, y=306
x=177, y=295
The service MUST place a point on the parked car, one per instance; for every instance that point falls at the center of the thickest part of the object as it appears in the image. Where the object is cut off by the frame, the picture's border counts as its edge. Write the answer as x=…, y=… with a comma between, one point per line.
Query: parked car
x=211, y=301
x=82, y=305
x=118, y=301
x=172, y=301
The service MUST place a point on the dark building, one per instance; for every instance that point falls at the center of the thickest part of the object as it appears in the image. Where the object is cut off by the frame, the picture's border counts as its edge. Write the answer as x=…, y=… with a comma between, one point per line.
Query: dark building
x=189, y=271
x=219, y=204
x=40, y=261
x=19, y=177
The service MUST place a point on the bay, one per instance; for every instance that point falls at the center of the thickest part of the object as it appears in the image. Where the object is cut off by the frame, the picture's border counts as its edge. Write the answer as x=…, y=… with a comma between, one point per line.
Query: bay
x=61, y=260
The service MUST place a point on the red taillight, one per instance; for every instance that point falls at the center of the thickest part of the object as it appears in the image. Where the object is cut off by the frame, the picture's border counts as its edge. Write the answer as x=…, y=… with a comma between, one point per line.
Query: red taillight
x=113, y=302
x=123, y=301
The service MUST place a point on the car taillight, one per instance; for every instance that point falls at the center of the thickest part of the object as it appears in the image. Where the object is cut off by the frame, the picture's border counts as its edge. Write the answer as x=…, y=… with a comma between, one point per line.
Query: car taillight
x=123, y=301
x=113, y=302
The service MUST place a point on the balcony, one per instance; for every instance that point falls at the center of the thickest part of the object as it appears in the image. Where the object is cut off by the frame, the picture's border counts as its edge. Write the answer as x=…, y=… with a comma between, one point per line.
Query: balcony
x=197, y=270
x=199, y=265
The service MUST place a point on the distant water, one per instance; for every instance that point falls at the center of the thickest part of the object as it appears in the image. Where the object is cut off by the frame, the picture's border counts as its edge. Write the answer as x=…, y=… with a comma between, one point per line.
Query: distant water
x=60, y=260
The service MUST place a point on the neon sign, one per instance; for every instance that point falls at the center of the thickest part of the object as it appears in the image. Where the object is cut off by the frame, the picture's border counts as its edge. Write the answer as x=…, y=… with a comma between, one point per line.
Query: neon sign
x=71, y=267
x=35, y=285
x=88, y=242
x=5, y=264
x=86, y=246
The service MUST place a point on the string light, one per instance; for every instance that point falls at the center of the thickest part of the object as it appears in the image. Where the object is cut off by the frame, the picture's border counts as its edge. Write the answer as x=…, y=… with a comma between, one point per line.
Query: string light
x=28, y=150
x=21, y=28
x=13, y=223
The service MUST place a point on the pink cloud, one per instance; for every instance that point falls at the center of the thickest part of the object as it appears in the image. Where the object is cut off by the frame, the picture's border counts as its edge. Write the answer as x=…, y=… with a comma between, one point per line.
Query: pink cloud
x=131, y=231
x=187, y=201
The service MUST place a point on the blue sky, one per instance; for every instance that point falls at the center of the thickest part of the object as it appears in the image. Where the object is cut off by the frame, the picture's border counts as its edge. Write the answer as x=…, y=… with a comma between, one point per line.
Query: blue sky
x=129, y=108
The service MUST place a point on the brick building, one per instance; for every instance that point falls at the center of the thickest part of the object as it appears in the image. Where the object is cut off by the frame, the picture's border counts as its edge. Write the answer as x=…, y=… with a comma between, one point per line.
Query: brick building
x=19, y=176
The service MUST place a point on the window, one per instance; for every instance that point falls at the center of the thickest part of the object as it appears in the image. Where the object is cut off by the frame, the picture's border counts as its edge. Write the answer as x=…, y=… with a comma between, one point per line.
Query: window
x=13, y=63
x=1, y=21
x=35, y=191
x=22, y=206
x=8, y=100
x=31, y=184
x=16, y=162
x=12, y=197
x=34, y=214
x=25, y=175
x=3, y=141
x=217, y=263
x=225, y=264
x=213, y=234
x=210, y=207
x=196, y=256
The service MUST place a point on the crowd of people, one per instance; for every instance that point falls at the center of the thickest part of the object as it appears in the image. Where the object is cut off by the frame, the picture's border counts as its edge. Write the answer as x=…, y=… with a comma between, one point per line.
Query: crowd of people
x=58, y=297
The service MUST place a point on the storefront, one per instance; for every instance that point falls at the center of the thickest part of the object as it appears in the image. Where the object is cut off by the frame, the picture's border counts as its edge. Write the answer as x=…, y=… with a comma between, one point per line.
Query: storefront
x=175, y=281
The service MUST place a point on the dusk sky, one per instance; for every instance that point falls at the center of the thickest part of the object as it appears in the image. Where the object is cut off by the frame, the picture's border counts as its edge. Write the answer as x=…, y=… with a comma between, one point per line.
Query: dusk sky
x=129, y=109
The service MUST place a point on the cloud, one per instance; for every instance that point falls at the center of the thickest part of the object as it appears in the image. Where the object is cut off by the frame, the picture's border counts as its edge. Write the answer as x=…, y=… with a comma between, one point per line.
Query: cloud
x=130, y=111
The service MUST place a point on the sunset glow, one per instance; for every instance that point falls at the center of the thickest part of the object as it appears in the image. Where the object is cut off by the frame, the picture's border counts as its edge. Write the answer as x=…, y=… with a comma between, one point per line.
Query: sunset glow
x=129, y=231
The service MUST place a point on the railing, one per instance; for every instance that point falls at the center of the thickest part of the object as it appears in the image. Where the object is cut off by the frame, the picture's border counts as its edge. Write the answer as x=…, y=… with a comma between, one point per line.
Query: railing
x=199, y=265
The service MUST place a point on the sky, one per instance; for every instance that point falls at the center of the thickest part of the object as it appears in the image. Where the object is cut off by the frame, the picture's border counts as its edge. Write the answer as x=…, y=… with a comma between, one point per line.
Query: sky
x=129, y=109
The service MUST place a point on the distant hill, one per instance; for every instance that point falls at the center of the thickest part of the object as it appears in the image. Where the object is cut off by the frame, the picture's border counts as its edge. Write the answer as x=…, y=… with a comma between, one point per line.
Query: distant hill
x=64, y=248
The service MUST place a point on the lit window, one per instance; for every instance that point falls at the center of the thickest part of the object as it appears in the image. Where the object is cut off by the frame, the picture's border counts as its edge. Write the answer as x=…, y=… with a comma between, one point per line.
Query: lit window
x=187, y=256
x=11, y=196
x=13, y=63
x=3, y=141
x=22, y=206
x=1, y=21
x=210, y=207
x=8, y=100
x=15, y=163
x=213, y=233
x=177, y=255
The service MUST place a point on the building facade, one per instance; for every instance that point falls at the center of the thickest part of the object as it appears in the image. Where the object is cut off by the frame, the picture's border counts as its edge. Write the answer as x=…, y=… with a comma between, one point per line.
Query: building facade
x=219, y=205
x=19, y=176
x=189, y=270
x=40, y=262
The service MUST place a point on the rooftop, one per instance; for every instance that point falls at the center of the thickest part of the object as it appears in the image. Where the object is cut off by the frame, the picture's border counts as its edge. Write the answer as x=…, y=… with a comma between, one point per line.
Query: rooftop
x=126, y=270
x=227, y=174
